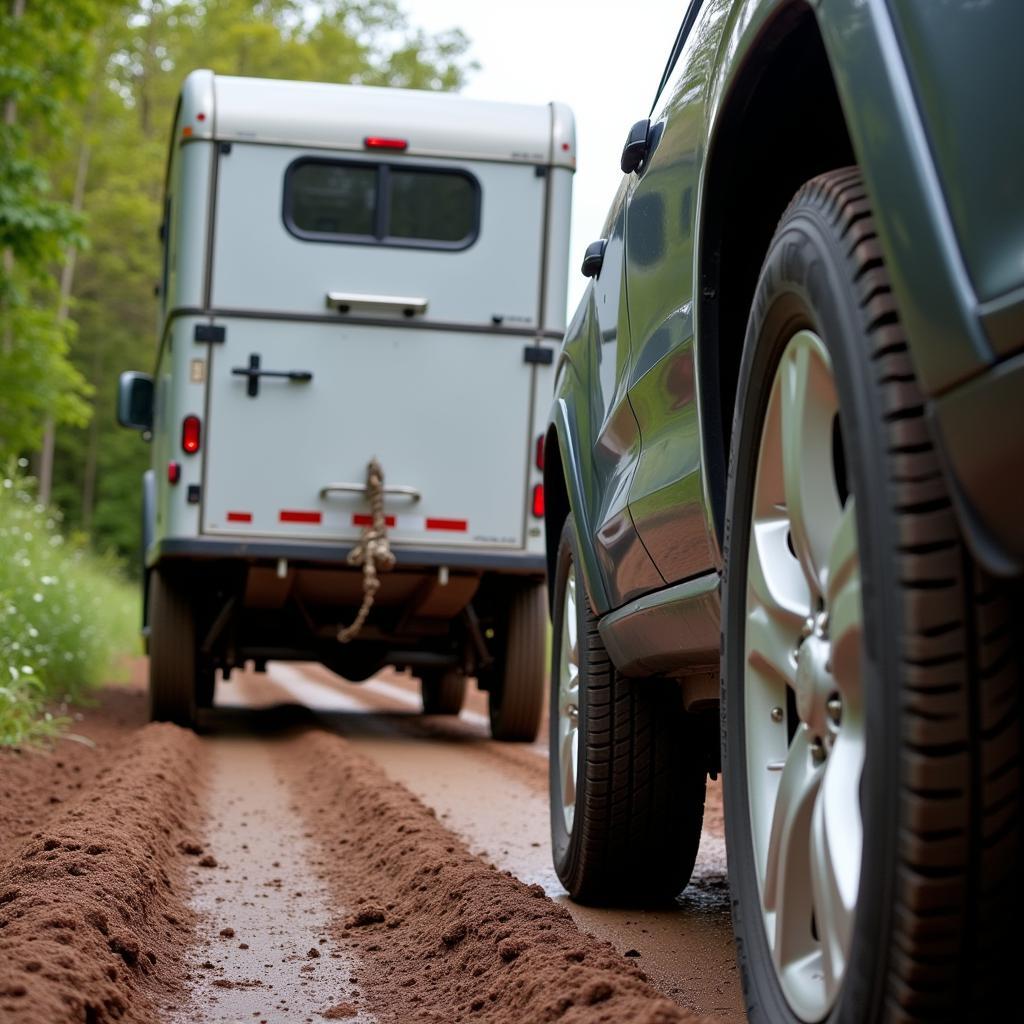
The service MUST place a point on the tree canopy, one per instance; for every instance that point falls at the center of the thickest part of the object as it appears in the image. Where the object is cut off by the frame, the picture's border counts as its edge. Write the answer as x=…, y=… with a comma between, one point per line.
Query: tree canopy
x=88, y=88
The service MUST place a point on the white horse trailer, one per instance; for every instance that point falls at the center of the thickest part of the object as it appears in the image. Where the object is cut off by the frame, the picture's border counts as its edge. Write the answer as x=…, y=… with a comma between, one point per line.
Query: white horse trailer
x=353, y=274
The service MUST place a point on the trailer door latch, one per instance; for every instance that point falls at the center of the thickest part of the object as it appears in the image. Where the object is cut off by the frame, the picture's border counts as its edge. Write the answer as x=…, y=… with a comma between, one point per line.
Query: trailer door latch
x=253, y=373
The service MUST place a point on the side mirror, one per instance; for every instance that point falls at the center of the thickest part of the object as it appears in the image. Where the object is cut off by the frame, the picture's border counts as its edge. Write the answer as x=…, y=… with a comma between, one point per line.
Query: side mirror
x=135, y=400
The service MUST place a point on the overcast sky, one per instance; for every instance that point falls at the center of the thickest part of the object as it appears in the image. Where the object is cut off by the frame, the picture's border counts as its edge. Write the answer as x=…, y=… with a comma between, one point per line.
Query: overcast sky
x=603, y=58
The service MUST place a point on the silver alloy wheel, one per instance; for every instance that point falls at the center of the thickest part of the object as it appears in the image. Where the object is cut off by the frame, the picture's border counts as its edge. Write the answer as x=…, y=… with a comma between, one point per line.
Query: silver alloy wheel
x=568, y=701
x=803, y=709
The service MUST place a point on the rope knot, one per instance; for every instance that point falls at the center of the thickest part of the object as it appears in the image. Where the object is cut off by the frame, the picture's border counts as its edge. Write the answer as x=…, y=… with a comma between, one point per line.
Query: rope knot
x=373, y=551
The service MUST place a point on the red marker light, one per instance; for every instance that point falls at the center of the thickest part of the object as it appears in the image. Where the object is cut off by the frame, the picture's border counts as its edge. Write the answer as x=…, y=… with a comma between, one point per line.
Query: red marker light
x=173, y=472
x=538, y=457
x=190, y=434
x=378, y=142
x=538, y=501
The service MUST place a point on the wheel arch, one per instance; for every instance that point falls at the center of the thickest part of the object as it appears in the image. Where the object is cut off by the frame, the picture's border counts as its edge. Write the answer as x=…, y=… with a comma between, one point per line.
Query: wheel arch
x=564, y=497
x=759, y=154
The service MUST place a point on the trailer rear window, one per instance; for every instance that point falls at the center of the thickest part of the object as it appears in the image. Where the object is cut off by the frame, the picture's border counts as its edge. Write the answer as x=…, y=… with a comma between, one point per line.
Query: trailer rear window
x=381, y=204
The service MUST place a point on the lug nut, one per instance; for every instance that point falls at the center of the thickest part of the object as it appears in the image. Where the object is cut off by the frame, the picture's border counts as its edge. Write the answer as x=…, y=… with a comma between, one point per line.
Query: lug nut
x=776, y=714
x=835, y=710
x=817, y=751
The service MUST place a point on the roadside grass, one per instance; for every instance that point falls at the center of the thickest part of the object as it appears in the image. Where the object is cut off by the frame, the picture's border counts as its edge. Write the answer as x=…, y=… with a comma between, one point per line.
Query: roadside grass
x=66, y=614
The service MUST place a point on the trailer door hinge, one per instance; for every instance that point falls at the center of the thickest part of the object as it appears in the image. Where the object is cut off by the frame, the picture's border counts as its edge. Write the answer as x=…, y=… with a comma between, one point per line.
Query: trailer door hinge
x=210, y=332
x=538, y=354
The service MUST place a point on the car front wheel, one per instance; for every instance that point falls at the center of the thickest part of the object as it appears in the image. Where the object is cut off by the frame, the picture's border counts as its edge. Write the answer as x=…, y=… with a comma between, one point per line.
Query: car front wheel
x=870, y=684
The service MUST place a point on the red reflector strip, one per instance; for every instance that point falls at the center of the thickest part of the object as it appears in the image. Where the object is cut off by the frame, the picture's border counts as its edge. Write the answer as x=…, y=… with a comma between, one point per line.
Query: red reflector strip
x=239, y=517
x=298, y=516
x=364, y=520
x=456, y=525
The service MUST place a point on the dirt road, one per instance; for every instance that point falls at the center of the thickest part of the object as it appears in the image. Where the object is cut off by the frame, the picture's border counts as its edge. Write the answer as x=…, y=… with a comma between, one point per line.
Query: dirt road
x=355, y=861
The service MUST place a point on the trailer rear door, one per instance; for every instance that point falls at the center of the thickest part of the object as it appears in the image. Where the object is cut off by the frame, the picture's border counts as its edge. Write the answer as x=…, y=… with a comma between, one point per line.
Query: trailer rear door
x=312, y=281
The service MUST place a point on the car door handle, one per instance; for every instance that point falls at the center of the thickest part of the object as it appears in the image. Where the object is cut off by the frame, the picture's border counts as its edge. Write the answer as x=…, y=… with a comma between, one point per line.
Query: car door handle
x=350, y=302
x=593, y=258
x=396, y=489
x=634, y=152
x=253, y=372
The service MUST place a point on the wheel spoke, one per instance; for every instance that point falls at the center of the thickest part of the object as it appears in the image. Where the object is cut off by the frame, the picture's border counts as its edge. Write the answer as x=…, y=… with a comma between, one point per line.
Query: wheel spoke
x=568, y=702
x=786, y=894
x=774, y=577
x=844, y=604
x=836, y=841
x=808, y=408
x=568, y=759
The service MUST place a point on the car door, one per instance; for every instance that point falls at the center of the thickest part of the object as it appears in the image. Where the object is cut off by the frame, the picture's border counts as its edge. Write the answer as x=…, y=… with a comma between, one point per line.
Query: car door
x=627, y=568
x=666, y=490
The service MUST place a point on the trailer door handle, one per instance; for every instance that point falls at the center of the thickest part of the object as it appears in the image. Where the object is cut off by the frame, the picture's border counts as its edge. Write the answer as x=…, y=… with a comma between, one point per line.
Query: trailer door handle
x=353, y=302
x=343, y=488
x=253, y=372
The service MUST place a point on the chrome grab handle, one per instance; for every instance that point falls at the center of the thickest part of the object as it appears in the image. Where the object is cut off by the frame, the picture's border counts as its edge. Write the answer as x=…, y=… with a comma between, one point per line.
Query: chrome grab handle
x=347, y=302
x=342, y=488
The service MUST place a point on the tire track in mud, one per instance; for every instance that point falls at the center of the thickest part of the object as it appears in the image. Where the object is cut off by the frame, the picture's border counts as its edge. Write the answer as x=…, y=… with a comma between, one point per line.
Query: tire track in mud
x=331, y=891
x=264, y=916
x=494, y=796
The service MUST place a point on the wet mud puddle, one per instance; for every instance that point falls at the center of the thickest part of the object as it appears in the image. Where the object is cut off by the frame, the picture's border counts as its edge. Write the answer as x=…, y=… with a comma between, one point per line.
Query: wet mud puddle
x=264, y=952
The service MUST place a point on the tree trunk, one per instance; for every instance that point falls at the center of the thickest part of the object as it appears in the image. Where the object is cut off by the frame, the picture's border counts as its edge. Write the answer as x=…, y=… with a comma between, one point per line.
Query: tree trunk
x=17, y=8
x=67, y=281
x=91, y=452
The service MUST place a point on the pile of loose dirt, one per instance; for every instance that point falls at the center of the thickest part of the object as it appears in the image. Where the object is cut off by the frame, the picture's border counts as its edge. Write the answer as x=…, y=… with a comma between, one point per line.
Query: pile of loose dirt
x=442, y=935
x=36, y=782
x=91, y=918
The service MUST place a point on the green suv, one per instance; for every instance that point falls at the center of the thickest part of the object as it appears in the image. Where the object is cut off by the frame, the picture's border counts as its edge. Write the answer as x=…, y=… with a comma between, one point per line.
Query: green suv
x=784, y=478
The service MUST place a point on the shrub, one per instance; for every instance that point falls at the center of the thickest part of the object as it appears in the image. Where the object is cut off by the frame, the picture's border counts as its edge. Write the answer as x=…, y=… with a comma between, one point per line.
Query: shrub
x=65, y=613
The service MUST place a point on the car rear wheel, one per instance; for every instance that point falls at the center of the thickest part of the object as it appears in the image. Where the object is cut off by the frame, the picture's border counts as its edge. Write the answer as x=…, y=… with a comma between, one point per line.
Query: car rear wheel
x=173, y=676
x=871, y=693
x=627, y=768
x=442, y=692
x=515, y=684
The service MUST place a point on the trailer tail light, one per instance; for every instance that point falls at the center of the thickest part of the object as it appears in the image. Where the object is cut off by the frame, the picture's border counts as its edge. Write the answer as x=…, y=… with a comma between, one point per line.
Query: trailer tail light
x=538, y=501
x=190, y=434
x=378, y=142
x=173, y=472
x=538, y=457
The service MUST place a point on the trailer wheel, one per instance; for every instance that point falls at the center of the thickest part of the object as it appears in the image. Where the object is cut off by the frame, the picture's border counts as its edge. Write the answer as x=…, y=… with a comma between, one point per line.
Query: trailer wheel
x=442, y=691
x=516, y=683
x=173, y=677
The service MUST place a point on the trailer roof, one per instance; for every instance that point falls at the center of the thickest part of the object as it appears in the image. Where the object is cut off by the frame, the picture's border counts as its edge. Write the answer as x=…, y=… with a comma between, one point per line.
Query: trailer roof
x=327, y=116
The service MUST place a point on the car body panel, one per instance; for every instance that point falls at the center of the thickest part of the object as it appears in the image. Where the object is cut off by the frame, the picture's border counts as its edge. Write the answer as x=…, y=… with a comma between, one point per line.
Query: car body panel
x=647, y=445
x=667, y=493
x=979, y=168
x=626, y=567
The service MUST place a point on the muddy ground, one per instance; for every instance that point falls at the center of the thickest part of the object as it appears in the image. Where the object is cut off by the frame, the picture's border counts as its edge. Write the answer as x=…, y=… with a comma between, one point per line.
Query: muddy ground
x=351, y=862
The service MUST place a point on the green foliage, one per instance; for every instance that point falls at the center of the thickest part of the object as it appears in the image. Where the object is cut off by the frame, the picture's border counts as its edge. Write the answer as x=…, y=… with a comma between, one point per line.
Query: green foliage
x=64, y=613
x=43, y=51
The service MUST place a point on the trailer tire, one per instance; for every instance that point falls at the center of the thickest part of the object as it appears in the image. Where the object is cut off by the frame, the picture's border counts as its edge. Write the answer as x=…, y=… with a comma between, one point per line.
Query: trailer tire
x=173, y=677
x=443, y=692
x=516, y=683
